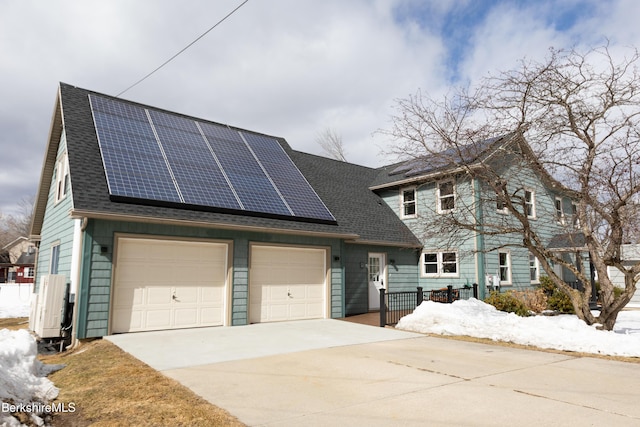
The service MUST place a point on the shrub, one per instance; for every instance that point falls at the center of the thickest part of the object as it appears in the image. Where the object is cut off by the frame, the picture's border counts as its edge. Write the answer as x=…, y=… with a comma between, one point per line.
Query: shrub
x=534, y=299
x=508, y=302
x=556, y=299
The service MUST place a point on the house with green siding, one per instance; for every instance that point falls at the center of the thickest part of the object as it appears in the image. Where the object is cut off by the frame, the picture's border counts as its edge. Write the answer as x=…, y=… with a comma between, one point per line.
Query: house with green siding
x=158, y=220
x=451, y=204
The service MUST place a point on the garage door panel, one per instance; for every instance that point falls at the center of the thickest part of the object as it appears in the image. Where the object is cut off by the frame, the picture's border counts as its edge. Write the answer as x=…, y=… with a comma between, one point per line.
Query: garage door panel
x=287, y=283
x=210, y=316
x=157, y=295
x=185, y=317
x=150, y=272
x=158, y=319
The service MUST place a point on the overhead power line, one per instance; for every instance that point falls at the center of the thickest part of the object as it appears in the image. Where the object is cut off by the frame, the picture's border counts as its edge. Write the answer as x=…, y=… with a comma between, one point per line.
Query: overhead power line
x=183, y=49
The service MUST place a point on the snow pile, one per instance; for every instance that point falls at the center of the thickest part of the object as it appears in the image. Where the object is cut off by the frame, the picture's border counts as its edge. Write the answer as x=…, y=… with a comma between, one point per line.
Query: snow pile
x=15, y=300
x=565, y=332
x=22, y=377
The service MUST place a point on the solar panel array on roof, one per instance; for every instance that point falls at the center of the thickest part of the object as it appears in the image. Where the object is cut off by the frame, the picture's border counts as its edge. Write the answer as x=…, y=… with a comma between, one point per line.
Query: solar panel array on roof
x=449, y=157
x=161, y=158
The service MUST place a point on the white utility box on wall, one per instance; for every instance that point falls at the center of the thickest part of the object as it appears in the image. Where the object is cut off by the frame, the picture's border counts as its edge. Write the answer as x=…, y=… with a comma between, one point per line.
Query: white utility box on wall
x=49, y=306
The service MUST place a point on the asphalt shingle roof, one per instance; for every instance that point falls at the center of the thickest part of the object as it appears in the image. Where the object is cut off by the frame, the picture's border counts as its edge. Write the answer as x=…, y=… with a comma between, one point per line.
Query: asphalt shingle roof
x=342, y=186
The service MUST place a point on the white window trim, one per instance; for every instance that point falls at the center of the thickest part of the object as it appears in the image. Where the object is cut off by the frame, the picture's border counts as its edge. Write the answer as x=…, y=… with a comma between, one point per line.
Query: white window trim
x=62, y=172
x=533, y=202
x=509, y=268
x=403, y=203
x=575, y=220
x=536, y=265
x=54, y=246
x=439, y=264
x=560, y=215
x=439, y=199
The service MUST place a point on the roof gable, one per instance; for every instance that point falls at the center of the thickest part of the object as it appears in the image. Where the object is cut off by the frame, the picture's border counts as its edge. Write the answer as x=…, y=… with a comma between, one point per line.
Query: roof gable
x=91, y=196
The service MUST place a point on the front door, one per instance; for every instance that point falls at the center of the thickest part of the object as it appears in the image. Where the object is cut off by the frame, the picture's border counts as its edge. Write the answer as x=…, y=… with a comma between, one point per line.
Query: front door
x=377, y=276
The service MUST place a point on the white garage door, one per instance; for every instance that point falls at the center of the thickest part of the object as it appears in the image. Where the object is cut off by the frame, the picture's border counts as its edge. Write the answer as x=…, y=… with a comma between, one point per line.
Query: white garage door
x=287, y=283
x=168, y=284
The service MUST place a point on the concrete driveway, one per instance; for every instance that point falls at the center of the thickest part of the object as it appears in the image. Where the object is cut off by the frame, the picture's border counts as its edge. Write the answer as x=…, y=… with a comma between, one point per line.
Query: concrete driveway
x=330, y=372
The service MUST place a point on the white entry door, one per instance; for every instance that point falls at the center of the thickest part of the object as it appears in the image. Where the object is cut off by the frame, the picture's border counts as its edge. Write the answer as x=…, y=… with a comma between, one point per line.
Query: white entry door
x=377, y=276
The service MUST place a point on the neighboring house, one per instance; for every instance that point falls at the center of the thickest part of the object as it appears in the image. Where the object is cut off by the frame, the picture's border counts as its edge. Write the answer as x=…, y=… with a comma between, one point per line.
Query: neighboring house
x=423, y=191
x=17, y=260
x=630, y=255
x=159, y=221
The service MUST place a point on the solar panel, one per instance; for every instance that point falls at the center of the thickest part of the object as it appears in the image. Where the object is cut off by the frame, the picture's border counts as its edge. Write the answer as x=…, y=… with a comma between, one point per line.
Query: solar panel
x=294, y=188
x=154, y=156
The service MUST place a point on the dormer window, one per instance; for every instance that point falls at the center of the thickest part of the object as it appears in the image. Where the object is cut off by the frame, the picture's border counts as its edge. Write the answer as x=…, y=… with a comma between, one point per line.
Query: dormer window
x=408, y=202
x=446, y=196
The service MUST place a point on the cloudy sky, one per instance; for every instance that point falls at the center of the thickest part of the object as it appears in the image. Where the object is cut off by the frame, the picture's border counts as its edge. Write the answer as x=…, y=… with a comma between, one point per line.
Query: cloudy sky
x=288, y=68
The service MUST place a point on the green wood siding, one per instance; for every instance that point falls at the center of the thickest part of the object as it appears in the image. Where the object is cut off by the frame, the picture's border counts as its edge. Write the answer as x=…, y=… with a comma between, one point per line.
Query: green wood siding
x=57, y=228
x=98, y=254
x=401, y=275
x=479, y=199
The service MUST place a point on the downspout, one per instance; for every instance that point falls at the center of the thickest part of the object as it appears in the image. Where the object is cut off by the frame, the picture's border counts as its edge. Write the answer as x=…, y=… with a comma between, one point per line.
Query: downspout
x=343, y=282
x=480, y=270
x=82, y=296
x=78, y=231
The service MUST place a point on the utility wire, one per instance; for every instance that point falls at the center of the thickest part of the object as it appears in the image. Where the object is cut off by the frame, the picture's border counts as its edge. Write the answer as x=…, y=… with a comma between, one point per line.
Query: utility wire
x=185, y=48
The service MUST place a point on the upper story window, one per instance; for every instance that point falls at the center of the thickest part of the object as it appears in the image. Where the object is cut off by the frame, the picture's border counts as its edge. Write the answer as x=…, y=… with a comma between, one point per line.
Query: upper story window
x=534, y=269
x=574, y=215
x=559, y=211
x=530, y=203
x=440, y=264
x=62, y=178
x=408, y=201
x=446, y=196
x=504, y=267
x=501, y=202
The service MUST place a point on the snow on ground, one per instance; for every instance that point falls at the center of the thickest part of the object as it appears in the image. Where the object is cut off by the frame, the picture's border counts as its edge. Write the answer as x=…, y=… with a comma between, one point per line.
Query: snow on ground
x=15, y=300
x=564, y=332
x=23, y=381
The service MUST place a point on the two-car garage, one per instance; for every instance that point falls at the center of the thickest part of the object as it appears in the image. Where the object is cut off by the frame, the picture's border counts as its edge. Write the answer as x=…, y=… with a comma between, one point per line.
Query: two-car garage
x=172, y=284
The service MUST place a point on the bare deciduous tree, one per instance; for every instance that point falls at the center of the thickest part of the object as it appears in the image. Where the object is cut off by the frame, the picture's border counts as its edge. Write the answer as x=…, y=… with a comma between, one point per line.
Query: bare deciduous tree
x=580, y=113
x=332, y=145
x=14, y=226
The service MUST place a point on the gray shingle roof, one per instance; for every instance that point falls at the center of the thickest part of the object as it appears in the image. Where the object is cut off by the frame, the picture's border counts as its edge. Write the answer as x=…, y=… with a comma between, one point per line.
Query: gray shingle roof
x=437, y=163
x=342, y=186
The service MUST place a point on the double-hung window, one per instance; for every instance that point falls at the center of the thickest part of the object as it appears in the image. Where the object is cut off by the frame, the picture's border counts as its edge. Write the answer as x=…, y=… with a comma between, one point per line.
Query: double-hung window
x=446, y=196
x=574, y=215
x=559, y=211
x=440, y=264
x=530, y=203
x=504, y=267
x=408, y=201
x=534, y=269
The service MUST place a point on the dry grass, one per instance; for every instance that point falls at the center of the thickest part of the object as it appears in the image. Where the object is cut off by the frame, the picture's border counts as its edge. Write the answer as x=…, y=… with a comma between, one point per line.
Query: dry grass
x=14, y=324
x=111, y=388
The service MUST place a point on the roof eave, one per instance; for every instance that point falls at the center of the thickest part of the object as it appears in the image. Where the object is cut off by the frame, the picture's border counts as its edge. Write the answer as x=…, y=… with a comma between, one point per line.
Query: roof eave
x=79, y=214
x=384, y=243
x=425, y=177
x=48, y=166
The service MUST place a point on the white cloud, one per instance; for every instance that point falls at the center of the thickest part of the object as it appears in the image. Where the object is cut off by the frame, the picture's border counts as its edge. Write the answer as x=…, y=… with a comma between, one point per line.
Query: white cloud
x=285, y=67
